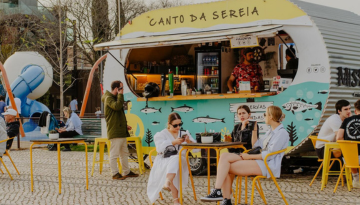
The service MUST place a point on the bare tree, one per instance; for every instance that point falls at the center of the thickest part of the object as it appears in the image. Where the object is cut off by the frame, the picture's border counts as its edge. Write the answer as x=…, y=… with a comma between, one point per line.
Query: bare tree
x=11, y=36
x=165, y=4
x=52, y=41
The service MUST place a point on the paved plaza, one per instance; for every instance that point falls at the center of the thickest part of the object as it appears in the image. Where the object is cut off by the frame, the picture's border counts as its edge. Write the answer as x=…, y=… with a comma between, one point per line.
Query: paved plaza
x=104, y=190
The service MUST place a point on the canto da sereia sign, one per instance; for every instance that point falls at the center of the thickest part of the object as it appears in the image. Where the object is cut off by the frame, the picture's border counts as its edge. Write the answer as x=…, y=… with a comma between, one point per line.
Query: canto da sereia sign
x=207, y=15
x=224, y=14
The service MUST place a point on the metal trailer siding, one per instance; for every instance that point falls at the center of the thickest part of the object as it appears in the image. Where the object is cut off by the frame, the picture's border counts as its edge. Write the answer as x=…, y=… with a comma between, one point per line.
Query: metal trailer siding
x=341, y=33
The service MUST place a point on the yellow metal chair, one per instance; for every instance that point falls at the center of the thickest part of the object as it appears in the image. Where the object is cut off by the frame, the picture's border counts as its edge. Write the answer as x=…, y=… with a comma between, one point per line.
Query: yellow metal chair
x=8, y=155
x=139, y=152
x=350, y=152
x=237, y=194
x=332, y=160
x=256, y=182
x=101, y=143
x=151, y=164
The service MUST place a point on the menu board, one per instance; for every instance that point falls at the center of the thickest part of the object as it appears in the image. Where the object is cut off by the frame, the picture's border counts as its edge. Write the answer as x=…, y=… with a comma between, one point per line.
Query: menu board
x=244, y=86
x=244, y=41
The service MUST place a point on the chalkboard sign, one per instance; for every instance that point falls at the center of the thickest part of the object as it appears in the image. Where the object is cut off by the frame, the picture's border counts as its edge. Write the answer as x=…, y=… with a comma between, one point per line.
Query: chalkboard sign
x=244, y=41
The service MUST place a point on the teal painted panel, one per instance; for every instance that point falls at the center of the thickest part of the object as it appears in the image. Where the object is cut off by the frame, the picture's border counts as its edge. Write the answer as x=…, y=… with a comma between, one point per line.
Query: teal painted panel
x=302, y=104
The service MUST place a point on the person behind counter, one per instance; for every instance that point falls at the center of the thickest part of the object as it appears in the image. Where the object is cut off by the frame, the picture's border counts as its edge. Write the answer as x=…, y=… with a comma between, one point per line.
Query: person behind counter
x=247, y=71
x=292, y=61
x=165, y=172
x=277, y=138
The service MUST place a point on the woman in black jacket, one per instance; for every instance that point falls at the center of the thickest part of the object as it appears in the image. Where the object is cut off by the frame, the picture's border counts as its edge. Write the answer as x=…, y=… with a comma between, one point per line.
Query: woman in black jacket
x=241, y=131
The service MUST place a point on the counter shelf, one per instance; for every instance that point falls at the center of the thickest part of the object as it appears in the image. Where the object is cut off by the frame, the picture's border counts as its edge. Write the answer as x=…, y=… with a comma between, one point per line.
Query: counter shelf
x=209, y=96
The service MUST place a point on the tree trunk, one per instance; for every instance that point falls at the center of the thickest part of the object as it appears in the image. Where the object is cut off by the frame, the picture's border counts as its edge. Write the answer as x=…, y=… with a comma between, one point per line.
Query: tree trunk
x=122, y=15
x=117, y=17
x=61, y=67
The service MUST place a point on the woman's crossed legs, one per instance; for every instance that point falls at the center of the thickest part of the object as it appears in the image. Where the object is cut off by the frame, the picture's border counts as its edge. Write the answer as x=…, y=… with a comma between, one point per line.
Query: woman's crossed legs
x=230, y=165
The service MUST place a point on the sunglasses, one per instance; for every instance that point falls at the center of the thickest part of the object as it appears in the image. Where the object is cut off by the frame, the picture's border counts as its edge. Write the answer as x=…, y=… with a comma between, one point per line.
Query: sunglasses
x=176, y=125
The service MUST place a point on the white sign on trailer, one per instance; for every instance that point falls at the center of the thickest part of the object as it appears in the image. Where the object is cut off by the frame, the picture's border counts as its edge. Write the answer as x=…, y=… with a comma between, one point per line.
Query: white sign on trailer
x=244, y=41
x=254, y=106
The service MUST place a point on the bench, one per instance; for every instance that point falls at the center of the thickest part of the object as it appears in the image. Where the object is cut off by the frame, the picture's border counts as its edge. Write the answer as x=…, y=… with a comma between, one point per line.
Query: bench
x=91, y=128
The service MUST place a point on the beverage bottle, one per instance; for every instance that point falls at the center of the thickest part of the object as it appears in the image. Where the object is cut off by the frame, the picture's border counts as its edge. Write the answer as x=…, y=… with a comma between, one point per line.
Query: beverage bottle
x=217, y=60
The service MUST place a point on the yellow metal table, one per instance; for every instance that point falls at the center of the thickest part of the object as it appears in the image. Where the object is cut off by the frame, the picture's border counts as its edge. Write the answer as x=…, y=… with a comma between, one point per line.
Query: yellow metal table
x=326, y=162
x=217, y=146
x=58, y=142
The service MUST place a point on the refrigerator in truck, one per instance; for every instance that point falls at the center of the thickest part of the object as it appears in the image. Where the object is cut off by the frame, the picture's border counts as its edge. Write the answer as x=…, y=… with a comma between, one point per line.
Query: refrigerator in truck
x=208, y=68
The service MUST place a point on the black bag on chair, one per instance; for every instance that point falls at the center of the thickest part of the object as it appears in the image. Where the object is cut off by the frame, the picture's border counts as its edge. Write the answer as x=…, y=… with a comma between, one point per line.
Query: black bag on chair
x=255, y=150
x=169, y=151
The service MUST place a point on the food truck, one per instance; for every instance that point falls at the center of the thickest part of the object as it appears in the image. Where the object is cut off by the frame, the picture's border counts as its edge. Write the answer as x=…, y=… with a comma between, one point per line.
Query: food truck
x=193, y=50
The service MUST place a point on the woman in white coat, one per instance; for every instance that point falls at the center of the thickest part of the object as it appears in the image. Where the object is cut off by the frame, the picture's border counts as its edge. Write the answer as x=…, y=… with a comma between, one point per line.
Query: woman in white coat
x=165, y=171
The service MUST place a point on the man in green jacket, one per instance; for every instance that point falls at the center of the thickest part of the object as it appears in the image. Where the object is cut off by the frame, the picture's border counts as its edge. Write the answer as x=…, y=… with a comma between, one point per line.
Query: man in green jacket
x=117, y=130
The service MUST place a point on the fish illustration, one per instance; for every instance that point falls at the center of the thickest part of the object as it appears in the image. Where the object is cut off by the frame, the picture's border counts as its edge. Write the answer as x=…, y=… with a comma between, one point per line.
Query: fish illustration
x=300, y=105
x=308, y=119
x=323, y=91
x=208, y=119
x=147, y=110
x=155, y=123
x=184, y=108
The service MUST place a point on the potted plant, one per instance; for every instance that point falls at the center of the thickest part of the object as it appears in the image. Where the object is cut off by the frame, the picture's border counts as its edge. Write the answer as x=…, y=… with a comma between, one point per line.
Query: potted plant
x=53, y=135
x=207, y=137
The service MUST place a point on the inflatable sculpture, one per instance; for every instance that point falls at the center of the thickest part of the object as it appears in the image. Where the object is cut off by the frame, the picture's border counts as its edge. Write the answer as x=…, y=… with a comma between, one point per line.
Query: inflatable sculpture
x=30, y=76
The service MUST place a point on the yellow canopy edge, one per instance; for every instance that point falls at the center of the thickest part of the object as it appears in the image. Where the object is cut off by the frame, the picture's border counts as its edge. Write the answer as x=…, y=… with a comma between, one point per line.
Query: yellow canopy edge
x=211, y=14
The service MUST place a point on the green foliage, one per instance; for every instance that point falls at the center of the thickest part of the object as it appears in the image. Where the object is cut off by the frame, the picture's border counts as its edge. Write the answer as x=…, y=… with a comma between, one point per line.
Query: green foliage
x=207, y=134
x=45, y=99
x=6, y=50
x=81, y=148
x=53, y=132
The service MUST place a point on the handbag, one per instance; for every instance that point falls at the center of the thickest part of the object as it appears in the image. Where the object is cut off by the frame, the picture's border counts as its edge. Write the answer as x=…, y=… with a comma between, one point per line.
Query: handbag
x=255, y=150
x=170, y=151
x=258, y=149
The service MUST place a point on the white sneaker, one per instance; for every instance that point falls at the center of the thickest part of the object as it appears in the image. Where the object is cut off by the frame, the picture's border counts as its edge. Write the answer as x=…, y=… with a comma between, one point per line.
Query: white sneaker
x=356, y=184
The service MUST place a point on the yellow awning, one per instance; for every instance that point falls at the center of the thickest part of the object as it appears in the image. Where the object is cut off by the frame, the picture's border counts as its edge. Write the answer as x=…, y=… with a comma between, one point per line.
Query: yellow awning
x=188, y=38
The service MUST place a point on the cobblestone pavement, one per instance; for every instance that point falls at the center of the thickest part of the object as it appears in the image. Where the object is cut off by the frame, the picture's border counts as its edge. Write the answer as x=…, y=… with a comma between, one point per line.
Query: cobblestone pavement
x=104, y=190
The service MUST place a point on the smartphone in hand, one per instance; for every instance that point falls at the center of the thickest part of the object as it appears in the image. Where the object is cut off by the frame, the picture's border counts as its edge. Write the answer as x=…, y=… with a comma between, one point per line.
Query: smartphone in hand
x=183, y=134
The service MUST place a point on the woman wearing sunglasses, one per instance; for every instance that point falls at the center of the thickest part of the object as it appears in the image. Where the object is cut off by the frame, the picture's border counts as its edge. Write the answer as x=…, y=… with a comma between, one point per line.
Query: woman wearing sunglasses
x=165, y=171
x=242, y=132
x=277, y=138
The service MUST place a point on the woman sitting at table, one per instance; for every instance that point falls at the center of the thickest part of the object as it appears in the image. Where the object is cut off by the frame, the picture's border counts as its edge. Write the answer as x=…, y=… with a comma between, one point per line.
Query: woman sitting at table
x=72, y=127
x=165, y=171
x=277, y=138
x=241, y=131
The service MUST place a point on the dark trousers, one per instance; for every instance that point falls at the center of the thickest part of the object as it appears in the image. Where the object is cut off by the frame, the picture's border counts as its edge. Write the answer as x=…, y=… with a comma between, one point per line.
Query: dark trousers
x=68, y=134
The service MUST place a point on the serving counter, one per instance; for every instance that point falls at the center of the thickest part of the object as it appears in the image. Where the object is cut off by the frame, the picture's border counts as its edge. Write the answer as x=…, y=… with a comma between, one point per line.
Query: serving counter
x=209, y=96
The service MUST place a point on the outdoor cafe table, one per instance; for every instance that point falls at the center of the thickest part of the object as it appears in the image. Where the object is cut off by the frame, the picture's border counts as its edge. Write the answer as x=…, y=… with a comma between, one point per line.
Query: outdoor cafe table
x=217, y=146
x=58, y=142
x=326, y=162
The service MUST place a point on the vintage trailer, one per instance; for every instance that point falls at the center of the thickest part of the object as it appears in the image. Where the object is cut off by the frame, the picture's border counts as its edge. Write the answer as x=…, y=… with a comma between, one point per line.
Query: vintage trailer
x=327, y=43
